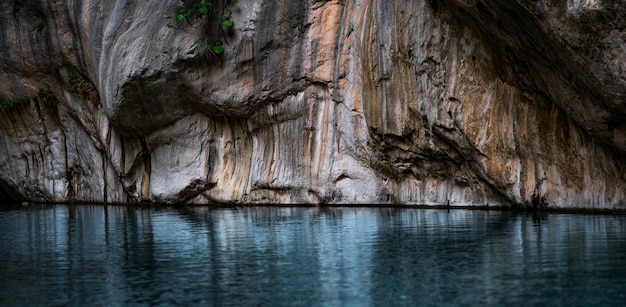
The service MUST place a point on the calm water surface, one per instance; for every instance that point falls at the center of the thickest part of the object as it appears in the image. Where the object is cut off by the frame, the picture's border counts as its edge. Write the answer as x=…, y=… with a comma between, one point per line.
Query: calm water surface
x=271, y=256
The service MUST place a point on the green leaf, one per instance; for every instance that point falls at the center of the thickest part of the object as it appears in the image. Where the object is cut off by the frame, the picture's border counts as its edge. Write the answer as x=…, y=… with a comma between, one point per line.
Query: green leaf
x=227, y=23
x=203, y=10
x=218, y=48
x=233, y=1
x=196, y=4
x=169, y=25
x=180, y=17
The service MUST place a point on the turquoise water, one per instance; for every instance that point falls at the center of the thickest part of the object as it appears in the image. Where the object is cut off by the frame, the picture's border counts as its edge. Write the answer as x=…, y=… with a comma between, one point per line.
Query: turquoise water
x=273, y=256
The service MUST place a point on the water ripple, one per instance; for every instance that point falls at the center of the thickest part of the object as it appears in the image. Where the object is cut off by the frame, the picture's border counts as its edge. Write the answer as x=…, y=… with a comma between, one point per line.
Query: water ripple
x=113, y=255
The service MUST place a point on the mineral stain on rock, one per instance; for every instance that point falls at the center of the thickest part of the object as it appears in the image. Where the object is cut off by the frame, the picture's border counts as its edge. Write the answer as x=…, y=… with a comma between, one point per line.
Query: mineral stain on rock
x=477, y=102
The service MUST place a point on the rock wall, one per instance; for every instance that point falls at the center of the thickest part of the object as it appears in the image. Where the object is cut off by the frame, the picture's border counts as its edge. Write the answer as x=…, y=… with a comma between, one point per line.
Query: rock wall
x=460, y=102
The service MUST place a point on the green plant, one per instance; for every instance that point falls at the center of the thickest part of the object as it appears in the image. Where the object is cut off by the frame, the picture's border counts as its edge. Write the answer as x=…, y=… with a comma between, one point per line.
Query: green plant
x=196, y=11
x=79, y=83
x=13, y=103
x=46, y=97
x=39, y=26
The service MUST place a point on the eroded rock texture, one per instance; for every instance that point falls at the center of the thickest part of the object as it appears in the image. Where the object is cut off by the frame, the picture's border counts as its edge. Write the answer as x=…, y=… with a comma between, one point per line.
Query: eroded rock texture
x=466, y=102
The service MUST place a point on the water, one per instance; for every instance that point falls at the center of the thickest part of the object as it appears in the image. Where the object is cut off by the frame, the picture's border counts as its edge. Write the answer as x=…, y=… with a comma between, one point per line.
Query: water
x=270, y=256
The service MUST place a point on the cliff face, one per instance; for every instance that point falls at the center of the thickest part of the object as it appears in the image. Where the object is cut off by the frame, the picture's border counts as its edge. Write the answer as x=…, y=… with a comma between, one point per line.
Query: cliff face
x=466, y=102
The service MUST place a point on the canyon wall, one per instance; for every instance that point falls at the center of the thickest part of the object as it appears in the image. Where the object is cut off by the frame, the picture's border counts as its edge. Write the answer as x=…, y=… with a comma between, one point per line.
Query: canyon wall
x=459, y=102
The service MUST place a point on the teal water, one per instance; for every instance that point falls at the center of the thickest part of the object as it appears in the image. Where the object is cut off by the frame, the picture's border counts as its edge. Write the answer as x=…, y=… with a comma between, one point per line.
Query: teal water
x=87, y=255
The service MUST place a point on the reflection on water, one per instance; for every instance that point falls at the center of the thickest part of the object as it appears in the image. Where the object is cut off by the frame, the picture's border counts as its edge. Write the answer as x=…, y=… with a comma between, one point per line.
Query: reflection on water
x=114, y=255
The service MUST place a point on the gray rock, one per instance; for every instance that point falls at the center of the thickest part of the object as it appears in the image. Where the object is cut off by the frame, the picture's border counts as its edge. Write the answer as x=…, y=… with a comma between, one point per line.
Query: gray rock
x=409, y=102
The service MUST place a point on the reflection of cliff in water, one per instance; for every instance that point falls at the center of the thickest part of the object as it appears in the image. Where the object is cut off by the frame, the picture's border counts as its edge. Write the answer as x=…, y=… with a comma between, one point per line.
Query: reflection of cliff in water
x=438, y=256
x=118, y=255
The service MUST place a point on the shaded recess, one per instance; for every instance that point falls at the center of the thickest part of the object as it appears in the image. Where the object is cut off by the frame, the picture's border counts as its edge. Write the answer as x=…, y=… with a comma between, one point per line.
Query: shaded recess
x=7, y=194
x=527, y=53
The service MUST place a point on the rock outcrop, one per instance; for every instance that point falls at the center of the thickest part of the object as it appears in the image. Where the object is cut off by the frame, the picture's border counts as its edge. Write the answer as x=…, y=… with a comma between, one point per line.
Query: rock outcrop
x=460, y=102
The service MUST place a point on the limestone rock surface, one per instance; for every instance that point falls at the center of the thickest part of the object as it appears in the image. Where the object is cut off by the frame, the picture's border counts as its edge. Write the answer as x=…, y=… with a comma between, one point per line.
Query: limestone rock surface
x=459, y=102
